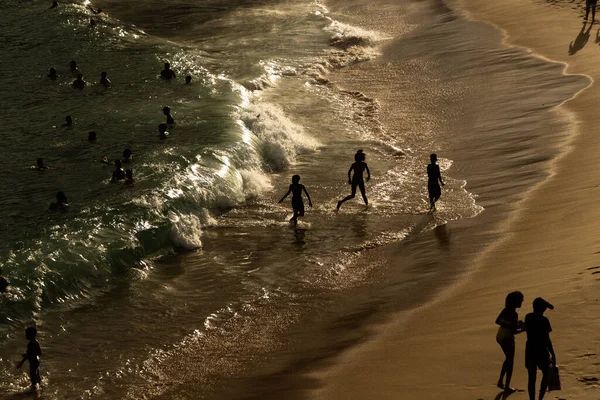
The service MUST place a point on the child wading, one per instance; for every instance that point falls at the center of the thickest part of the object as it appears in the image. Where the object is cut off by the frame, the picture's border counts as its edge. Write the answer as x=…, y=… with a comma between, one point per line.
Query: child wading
x=433, y=187
x=34, y=351
x=297, y=204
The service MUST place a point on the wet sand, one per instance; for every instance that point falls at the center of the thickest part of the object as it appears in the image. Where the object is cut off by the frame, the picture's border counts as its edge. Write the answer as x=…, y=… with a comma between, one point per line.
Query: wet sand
x=546, y=246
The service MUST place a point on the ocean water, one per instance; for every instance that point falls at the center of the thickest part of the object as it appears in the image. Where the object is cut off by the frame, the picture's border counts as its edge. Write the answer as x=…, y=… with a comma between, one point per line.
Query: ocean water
x=191, y=277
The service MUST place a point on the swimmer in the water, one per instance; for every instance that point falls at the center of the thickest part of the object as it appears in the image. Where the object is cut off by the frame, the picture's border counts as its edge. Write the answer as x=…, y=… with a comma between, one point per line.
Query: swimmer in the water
x=98, y=11
x=162, y=131
x=118, y=174
x=40, y=166
x=129, y=177
x=73, y=68
x=188, y=80
x=79, y=83
x=297, y=203
x=3, y=283
x=69, y=121
x=92, y=23
x=54, y=4
x=92, y=136
x=61, y=202
x=355, y=180
x=104, y=81
x=127, y=153
x=104, y=160
x=167, y=111
x=52, y=74
x=167, y=73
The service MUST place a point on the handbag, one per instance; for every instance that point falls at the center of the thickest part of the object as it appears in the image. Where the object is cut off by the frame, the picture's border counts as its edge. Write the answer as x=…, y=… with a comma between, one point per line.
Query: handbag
x=553, y=378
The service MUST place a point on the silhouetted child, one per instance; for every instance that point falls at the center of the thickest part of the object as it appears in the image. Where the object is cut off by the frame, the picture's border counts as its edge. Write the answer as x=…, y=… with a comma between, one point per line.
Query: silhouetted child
x=40, y=166
x=118, y=174
x=167, y=111
x=54, y=4
x=590, y=4
x=433, y=187
x=167, y=73
x=92, y=136
x=73, y=68
x=52, y=74
x=34, y=351
x=297, y=203
x=79, y=83
x=539, y=352
x=359, y=166
x=162, y=131
x=127, y=153
x=509, y=327
x=3, y=283
x=61, y=202
x=69, y=121
x=104, y=81
x=188, y=80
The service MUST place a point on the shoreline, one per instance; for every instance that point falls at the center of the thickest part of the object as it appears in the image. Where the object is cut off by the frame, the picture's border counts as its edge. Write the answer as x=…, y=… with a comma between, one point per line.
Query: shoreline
x=459, y=348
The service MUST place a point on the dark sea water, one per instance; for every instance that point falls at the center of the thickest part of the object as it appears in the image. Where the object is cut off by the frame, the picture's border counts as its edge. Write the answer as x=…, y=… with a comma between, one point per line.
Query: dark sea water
x=193, y=276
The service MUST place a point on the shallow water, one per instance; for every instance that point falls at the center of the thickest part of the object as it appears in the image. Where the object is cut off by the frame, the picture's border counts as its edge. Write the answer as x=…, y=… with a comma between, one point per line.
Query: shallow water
x=194, y=275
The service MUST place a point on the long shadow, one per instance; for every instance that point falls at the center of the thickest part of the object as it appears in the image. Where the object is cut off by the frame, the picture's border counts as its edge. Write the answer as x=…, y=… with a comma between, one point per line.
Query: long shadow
x=580, y=41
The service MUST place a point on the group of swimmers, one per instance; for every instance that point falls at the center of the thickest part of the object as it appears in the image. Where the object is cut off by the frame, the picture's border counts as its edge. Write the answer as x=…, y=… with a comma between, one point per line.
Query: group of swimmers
x=539, y=353
x=357, y=180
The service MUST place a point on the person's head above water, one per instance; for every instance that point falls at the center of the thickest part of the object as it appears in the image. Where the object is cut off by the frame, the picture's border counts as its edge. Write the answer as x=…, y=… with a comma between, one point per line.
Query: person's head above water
x=167, y=66
x=514, y=300
x=40, y=163
x=127, y=154
x=69, y=120
x=433, y=158
x=103, y=75
x=61, y=197
x=52, y=71
x=73, y=65
x=166, y=110
x=540, y=305
x=188, y=79
x=92, y=136
x=295, y=178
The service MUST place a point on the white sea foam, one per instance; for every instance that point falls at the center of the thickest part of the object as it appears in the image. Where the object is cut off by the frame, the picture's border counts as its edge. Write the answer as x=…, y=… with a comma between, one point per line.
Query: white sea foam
x=186, y=231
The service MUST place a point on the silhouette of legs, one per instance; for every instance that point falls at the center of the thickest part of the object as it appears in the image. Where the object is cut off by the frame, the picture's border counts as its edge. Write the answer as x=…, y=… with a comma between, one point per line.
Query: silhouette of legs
x=508, y=347
x=590, y=5
x=361, y=186
x=351, y=196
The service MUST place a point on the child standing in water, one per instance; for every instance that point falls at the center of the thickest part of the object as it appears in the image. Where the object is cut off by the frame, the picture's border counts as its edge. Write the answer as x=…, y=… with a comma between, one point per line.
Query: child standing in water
x=355, y=180
x=34, y=351
x=297, y=204
x=433, y=187
x=509, y=327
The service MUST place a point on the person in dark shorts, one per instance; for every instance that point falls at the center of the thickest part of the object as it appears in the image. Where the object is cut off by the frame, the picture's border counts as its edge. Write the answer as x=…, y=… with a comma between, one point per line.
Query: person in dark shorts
x=539, y=352
x=590, y=4
x=433, y=187
x=509, y=327
x=33, y=353
x=297, y=203
x=356, y=180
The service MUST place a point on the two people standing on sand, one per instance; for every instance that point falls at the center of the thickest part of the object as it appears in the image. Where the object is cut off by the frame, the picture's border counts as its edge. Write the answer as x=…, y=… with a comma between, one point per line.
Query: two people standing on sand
x=539, y=352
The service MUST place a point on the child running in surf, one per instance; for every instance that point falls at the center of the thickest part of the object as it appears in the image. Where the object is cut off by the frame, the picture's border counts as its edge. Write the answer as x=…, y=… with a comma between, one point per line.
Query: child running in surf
x=297, y=204
x=355, y=180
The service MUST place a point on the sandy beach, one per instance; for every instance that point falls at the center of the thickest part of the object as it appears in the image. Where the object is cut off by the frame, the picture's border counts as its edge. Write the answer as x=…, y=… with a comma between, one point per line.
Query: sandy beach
x=548, y=247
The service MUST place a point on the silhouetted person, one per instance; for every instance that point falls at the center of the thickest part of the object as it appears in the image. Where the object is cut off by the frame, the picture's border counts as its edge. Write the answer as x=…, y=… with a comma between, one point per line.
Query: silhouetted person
x=167, y=73
x=188, y=80
x=118, y=174
x=52, y=73
x=92, y=136
x=127, y=153
x=104, y=81
x=69, y=121
x=98, y=11
x=581, y=39
x=92, y=23
x=590, y=4
x=129, y=177
x=54, y=4
x=79, y=83
x=433, y=177
x=359, y=166
x=539, y=352
x=40, y=164
x=297, y=203
x=73, y=68
x=509, y=327
x=162, y=131
x=33, y=353
x=61, y=202
x=167, y=111
x=3, y=283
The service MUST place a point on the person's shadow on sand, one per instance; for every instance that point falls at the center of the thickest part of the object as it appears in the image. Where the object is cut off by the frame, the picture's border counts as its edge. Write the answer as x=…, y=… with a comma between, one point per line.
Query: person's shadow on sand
x=504, y=395
x=581, y=39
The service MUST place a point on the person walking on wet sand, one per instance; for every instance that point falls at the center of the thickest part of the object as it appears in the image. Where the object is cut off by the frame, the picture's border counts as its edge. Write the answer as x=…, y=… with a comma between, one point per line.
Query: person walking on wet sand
x=359, y=166
x=297, y=203
x=433, y=187
x=539, y=352
x=509, y=327
x=590, y=4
